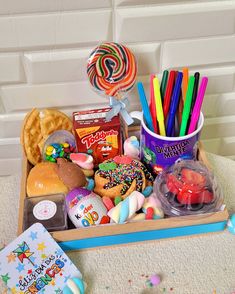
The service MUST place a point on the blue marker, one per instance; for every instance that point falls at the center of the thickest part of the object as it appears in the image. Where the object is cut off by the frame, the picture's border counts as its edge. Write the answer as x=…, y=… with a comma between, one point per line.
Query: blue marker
x=174, y=104
x=145, y=107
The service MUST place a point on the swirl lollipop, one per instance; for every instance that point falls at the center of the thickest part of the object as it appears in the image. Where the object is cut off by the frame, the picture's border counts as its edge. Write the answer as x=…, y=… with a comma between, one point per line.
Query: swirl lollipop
x=112, y=69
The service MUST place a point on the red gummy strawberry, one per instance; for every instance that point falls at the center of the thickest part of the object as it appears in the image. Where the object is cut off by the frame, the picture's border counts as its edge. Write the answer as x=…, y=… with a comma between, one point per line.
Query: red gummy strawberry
x=192, y=177
x=186, y=196
x=173, y=184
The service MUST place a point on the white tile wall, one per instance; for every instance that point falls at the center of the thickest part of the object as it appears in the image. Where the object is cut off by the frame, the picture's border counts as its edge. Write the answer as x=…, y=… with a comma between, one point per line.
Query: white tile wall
x=44, y=46
x=196, y=52
x=177, y=21
x=37, y=6
x=11, y=69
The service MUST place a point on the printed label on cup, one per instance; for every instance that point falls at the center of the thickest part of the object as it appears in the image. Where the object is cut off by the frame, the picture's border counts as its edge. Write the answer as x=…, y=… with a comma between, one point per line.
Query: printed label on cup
x=44, y=210
x=159, y=152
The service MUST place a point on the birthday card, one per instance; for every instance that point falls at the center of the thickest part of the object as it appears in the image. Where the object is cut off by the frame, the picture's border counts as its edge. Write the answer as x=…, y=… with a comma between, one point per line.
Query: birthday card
x=34, y=263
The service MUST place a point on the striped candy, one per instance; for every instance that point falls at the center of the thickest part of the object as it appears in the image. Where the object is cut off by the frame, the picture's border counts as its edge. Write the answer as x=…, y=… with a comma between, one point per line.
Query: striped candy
x=112, y=69
x=127, y=208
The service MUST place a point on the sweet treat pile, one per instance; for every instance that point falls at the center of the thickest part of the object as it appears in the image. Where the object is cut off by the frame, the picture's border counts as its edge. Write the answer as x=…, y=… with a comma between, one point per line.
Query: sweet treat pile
x=127, y=208
x=59, y=145
x=36, y=129
x=56, y=150
x=121, y=176
x=123, y=186
x=112, y=69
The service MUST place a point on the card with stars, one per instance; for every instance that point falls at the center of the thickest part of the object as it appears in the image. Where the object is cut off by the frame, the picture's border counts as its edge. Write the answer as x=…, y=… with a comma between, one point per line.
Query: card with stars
x=34, y=263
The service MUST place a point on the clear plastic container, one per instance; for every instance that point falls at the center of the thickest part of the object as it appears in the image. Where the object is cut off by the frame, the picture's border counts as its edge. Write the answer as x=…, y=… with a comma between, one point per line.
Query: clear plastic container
x=49, y=210
x=59, y=145
x=188, y=188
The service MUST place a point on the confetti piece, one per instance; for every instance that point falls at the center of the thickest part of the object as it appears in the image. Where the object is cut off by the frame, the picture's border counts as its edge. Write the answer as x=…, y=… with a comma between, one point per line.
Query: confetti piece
x=148, y=284
x=155, y=280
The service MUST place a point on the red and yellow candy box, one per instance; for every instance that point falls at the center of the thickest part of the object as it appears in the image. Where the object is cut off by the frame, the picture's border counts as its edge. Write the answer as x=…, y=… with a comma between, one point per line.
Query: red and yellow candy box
x=97, y=137
x=116, y=234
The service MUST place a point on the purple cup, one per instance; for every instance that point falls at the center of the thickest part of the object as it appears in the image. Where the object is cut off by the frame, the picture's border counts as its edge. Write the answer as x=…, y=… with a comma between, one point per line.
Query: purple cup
x=158, y=152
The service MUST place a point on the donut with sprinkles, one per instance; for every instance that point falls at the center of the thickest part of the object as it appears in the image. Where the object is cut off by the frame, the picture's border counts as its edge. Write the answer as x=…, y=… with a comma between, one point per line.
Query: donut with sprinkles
x=121, y=176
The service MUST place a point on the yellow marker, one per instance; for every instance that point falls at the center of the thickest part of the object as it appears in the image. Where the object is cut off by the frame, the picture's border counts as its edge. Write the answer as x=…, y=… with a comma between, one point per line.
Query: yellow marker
x=185, y=82
x=158, y=104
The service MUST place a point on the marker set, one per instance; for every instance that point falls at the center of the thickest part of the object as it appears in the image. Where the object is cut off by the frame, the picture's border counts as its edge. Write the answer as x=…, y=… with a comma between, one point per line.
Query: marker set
x=175, y=104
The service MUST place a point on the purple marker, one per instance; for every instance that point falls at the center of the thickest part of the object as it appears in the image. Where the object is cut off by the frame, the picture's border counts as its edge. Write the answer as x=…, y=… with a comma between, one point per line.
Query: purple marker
x=198, y=105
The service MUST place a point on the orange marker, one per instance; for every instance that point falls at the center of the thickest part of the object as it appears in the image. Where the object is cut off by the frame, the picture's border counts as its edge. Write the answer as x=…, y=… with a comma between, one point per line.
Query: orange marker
x=185, y=82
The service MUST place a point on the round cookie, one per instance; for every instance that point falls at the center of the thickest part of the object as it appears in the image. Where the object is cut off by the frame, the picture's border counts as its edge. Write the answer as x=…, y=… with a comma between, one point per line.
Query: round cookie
x=121, y=176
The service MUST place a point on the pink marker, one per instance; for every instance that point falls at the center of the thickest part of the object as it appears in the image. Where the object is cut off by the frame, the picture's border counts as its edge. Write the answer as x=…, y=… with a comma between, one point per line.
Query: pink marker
x=198, y=105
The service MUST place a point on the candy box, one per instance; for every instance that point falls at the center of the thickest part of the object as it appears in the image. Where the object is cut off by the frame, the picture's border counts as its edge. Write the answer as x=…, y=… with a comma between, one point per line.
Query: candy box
x=95, y=136
x=113, y=234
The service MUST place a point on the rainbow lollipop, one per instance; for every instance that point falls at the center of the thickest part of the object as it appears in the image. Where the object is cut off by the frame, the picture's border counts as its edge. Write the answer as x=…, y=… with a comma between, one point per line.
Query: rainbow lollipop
x=112, y=69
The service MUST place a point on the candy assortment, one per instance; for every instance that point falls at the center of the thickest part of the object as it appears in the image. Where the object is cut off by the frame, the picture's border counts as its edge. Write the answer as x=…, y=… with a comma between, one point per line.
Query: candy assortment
x=104, y=178
x=123, y=186
x=85, y=172
x=59, y=144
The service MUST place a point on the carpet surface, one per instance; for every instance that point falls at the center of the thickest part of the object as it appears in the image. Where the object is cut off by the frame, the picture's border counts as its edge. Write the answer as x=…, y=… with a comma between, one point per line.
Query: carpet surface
x=190, y=265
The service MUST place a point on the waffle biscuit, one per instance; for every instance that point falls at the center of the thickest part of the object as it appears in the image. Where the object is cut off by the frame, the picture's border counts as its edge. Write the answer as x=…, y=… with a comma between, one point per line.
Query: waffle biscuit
x=31, y=136
x=37, y=127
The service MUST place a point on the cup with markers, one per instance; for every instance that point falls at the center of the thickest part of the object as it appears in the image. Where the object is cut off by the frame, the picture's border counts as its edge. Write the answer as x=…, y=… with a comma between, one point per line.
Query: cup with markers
x=172, y=120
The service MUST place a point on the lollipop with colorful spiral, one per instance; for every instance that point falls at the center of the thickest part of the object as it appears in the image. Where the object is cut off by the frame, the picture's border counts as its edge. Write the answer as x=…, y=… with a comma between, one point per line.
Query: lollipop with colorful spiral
x=112, y=69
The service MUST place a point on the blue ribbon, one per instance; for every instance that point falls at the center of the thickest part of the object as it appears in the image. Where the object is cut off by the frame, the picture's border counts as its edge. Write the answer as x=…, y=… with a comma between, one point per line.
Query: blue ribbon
x=119, y=106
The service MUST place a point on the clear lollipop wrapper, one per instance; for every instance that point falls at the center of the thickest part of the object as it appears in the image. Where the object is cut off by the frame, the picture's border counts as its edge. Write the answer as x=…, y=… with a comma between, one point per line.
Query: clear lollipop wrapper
x=112, y=70
x=188, y=188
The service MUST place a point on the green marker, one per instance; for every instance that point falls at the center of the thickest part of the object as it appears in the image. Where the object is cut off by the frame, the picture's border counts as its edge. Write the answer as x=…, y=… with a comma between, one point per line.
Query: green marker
x=163, y=84
x=187, y=106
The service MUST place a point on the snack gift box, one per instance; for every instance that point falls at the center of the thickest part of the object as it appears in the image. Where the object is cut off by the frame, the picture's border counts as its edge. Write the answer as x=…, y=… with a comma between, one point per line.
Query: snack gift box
x=111, y=72
x=114, y=234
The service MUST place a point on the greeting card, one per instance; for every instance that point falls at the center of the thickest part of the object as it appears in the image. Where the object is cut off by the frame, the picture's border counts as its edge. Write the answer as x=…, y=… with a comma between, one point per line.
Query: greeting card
x=34, y=263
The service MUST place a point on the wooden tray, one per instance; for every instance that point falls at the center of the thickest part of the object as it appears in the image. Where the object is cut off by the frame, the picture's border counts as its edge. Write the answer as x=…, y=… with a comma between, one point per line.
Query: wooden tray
x=116, y=234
